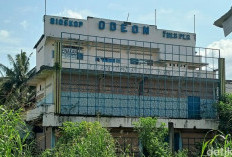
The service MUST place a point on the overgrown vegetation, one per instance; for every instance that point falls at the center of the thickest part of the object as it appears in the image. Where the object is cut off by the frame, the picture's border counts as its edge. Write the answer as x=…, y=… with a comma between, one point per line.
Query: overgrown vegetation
x=83, y=139
x=224, y=109
x=153, y=139
x=13, y=134
x=221, y=144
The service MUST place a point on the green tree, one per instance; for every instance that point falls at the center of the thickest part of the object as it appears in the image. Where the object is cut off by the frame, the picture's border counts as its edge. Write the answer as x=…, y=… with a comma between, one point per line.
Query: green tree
x=152, y=137
x=13, y=88
x=83, y=139
x=221, y=144
x=13, y=134
x=224, y=109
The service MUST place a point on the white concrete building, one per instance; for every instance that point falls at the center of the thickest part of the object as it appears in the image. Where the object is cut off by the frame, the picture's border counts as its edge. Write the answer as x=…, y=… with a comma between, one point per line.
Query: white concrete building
x=115, y=72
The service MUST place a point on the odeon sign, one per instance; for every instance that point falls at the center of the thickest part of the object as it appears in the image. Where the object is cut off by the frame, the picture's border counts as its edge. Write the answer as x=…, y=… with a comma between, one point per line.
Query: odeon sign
x=123, y=27
x=112, y=26
x=101, y=25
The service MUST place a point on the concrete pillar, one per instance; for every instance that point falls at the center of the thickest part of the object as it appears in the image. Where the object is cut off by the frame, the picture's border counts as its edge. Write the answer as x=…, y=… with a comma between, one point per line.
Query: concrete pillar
x=57, y=78
x=48, y=137
x=221, y=66
x=171, y=135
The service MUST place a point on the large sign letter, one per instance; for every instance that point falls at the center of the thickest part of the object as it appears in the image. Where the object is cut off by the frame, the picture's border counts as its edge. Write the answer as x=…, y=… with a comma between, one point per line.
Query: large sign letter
x=101, y=25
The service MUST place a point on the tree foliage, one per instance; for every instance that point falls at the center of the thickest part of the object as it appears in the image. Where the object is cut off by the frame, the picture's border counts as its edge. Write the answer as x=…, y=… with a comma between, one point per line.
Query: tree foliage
x=224, y=109
x=221, y=144
x=83, y=139
x=14, y=92
x=152, y=137
x=13, y=134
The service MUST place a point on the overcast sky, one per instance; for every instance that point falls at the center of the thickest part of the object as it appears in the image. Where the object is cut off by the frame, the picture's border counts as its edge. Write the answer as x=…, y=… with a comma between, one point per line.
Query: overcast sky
x=21, y=20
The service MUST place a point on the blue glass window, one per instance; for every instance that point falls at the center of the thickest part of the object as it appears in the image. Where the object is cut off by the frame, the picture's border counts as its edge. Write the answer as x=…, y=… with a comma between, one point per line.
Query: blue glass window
x=53, y=54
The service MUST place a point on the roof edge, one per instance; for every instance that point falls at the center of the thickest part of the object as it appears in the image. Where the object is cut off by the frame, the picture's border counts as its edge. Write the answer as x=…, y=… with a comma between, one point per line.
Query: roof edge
x=223, y=18
x=40, y=39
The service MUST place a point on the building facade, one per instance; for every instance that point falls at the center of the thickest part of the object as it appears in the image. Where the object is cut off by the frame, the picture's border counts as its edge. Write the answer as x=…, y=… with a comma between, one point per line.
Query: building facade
x=115, y=72
x=229, y=86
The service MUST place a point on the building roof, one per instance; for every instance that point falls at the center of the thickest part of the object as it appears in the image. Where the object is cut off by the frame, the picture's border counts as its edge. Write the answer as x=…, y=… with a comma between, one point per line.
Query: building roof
x=219, y=21
x=228, y=81
x=40, y=75
x=40, y=39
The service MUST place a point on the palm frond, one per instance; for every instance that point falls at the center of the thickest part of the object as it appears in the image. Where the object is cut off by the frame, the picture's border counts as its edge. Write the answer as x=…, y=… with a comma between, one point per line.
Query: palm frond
x=1, y=74
x=12, y=62
x=27, y=62
x=6, y=70
x=11, y=59
x=14, y=89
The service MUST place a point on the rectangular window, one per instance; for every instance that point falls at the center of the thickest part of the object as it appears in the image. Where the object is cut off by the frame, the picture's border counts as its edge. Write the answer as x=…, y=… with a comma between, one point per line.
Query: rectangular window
x=53, y=54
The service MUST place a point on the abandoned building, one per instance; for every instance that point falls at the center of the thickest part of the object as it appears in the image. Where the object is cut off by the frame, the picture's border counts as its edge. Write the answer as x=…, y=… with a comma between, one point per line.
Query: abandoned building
x=115, y=72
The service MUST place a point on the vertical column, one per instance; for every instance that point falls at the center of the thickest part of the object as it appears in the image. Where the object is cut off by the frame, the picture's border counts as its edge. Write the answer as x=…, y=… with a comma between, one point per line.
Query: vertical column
x=171, y=135
x=221, y=66
x=49, y=134
x=53, y=137
x=57, y=77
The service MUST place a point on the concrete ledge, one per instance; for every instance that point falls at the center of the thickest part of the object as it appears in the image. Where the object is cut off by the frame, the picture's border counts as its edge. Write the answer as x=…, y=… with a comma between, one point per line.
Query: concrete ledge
x=38, y=111
x=34, y=114
x=53, y=120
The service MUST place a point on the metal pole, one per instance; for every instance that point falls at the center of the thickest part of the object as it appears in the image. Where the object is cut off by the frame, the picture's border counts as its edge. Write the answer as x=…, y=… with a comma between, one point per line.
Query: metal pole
x=127, y=17
x=194, y=27
x=45, y=6
x=155, y=16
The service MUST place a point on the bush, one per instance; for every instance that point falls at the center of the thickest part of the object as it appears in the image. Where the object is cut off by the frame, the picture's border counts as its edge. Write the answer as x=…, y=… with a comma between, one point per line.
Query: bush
x=224, y=109
x=152, y=137
x=13, y=134
x=83, y=139
x=221, y=144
